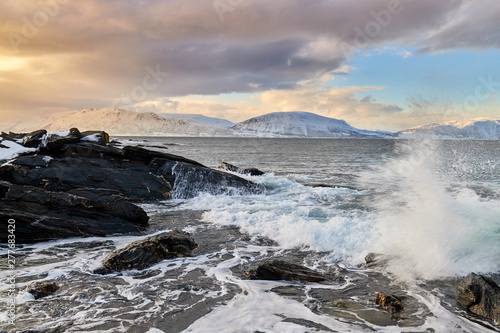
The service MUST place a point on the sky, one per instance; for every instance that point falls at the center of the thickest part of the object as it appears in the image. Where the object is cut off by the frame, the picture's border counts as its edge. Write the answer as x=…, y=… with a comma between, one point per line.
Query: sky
x=377, y=64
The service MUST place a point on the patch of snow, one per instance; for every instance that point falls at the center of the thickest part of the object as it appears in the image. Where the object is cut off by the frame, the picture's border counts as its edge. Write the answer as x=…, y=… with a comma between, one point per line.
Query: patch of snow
x=92, y=138
x=13, y=150
x=60, y=133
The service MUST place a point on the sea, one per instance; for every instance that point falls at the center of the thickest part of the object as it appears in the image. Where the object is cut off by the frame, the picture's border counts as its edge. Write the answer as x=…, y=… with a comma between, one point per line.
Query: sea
x=430, y=208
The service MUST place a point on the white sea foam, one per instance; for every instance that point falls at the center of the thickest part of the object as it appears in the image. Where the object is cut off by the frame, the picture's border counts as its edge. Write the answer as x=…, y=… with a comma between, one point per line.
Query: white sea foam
x=434, y=232
x=295, y=215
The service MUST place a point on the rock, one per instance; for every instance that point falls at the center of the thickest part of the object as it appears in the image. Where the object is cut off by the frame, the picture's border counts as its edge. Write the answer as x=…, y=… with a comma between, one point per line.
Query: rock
x=83, y=170
x=150, y=251
x=33, y=139
x=480, y=295
x=98, y=137
x=282, y=270
x=248, y=171
x=55, y=142
x=189, y=180
x=377, y=259
x=390, y=303
x=12, y=136
x=142, y=155
x=42, y=289
x=72, y=189
x=43, y=215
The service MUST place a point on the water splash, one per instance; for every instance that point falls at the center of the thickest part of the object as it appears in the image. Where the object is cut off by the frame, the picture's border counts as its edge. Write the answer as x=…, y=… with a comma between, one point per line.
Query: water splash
x=432, y=231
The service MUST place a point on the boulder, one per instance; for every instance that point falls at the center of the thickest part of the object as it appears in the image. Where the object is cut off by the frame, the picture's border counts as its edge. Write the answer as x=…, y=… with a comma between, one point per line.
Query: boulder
x=64, y=173
x=33, y=139
x=248, y=171
x=480, y=295
x=42, y=289
x=282, y=270
x=54, y=142
x=12, y=136
x=145, y=156
x=189, y=180
x=149, y=251
x=98, y=137
x=390, y=303
x=44, y=215
x=377, y=259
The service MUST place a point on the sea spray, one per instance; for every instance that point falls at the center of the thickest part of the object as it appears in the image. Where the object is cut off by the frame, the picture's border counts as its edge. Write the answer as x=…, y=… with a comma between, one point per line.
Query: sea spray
x=430, y=230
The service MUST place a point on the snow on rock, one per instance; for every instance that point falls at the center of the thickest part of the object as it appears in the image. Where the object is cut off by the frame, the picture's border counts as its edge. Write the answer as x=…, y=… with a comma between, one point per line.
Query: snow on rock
x=302, y=124
x=92, y=138
x=13, y=149
x=476, y=129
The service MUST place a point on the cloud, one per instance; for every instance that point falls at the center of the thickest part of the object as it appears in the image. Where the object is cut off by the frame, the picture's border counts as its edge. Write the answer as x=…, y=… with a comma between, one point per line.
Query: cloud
x=89, y=53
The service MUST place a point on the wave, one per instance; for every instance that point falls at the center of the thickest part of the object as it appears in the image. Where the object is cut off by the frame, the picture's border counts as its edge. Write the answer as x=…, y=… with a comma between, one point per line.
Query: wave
x=427, y=218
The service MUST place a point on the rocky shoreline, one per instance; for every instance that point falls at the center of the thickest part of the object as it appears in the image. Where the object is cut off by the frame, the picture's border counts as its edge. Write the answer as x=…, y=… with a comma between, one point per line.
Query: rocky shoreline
x=73, y=186
x=76, y=187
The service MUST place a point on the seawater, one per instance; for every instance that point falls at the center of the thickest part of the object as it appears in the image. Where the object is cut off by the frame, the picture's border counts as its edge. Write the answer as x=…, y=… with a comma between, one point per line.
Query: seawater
x=432, y=206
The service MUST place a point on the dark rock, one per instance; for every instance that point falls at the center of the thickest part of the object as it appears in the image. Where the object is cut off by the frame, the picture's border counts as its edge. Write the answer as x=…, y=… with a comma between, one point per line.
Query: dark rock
x=150, y=251
x=480, y=295
x=142, y=155
x=55, y=142
x=3, y=146
x=282, y=270
x=102, y=271
x=248, y=171
x=32, y=161
x=11, y=136
x=189, y=180
x=377, y=259
x=132, y=180
x=44, y=215
x=42, y=289
x=102, y=137
x=390, y=303
x=33, y=139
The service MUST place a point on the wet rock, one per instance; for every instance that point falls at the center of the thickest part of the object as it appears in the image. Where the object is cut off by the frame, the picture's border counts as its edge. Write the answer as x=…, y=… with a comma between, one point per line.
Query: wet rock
x=282, y=270
x=150, y=251
x=33, y=139
x=189, y=180
x=65, y=173
x=390, y=303
x=43, y=215
x=98, y=137
x=42, y=289
x=480, y=295
x=377, y=259
x=245, y=171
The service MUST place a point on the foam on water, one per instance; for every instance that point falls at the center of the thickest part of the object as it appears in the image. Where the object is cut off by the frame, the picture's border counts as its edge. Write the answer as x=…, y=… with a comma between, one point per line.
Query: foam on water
x=431, y=230
x=296, y=216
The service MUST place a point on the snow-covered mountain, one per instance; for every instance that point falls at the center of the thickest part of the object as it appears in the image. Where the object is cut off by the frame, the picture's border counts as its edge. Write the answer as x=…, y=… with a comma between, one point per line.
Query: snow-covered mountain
x=121, y=122
x=476, y=128
x=199, y=119
x=302, y=124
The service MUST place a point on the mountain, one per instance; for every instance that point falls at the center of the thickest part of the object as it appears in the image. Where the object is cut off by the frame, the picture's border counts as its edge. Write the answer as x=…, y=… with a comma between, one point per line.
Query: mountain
x=302, y=124
x=199, y=119
x=475, y=129
x=121, y=122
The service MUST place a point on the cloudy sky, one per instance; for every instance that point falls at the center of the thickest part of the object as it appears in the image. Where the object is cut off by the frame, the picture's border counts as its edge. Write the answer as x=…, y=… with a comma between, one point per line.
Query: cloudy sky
x=377, y=64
